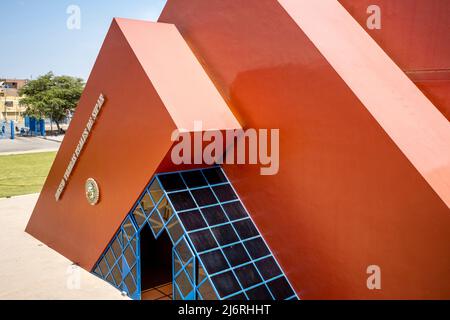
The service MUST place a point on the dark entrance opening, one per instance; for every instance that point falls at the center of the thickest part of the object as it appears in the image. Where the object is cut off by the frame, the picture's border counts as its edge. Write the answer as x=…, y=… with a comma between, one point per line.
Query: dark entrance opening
x=156, y=266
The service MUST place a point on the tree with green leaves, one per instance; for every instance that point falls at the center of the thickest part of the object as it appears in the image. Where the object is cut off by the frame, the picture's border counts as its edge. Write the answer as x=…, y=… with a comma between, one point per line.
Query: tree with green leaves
x=52, y=97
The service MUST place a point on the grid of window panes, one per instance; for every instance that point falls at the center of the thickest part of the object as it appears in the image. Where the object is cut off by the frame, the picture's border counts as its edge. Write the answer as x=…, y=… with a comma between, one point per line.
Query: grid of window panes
x=218, y=252
x=234, y=260
x=119, y=263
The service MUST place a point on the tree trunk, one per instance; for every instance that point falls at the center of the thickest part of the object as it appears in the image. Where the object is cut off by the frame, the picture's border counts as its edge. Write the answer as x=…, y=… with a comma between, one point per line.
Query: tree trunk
x=57, y=126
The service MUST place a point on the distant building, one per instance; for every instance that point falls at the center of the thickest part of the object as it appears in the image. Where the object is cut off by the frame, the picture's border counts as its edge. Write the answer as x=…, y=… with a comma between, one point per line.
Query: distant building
x=10, y=107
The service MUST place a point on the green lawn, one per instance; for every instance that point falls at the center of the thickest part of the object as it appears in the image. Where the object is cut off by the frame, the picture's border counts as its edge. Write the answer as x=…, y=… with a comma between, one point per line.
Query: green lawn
x=25, y=173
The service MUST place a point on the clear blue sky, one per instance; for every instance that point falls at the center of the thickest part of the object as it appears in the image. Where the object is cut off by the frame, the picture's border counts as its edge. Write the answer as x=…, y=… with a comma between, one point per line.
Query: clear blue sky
x=35, y=39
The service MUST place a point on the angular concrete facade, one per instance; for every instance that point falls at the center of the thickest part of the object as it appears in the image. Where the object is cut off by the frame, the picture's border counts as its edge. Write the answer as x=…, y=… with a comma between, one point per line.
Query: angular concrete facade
x=347, y=195
x=364, y=159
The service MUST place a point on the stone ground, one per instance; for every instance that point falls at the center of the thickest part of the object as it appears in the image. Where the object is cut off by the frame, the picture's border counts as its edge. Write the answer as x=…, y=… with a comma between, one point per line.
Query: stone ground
x=31, y=270
x=22, y=145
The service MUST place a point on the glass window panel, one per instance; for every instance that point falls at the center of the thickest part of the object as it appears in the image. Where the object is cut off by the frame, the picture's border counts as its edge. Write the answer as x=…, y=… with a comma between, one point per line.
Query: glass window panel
x=103, y=267
x=133, y=243
x=257, y=248
x=236, y=254
x=183, y=251
x=165, y=209
x=98, y=272
x=214, y=261
x=214, y=175
x=110, y=279
x=183, y=284
x=129, y=229
x=120, y=237
x=214, y=215
x=172, y=182
x=182, y=201
x=248, y=275
x=119, y=264
x=259, y=293
x=177, y=295
x=280, y=288
x=155, y=191
x=177, y=264
x=139, y=216
x=246, y=229
x=207, y=291
x=175, y=230
x=192, y=220
x=203, y=240
x=225, y=193
x=133, y=272
x=110, y=258
x=204, y=197
x=201, y=274
x=155, y=222
x=194, y=179
x=235, y=210
x=117, y=275
x=131, y=285
x=116, y=247
x=226, y=283
x=190, y=270
x=225, y=234
x=147, y=204
x=268, y=268
x=129, y=256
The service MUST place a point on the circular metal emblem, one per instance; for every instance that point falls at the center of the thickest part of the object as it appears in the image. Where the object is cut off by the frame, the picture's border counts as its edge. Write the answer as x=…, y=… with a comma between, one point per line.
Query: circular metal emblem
x=92, y=191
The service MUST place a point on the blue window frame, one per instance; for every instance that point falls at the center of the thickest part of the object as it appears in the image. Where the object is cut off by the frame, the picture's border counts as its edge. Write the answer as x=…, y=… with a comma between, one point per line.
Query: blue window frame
x=218, y=252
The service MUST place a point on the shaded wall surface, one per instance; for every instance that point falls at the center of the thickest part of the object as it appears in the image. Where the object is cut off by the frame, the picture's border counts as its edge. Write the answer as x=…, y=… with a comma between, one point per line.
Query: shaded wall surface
x=346, y=197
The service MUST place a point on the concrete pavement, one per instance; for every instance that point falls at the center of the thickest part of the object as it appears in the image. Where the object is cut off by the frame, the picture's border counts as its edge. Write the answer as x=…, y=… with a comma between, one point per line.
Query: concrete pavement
x=31, y=270
x=22, y=145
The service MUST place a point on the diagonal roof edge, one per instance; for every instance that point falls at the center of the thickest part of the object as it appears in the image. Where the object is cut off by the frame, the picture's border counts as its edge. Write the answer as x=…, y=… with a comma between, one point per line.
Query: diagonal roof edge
x=181, y=82
x=413, y=123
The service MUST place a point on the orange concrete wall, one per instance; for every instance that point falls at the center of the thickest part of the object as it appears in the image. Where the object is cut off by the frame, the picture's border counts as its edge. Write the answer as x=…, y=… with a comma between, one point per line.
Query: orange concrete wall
x=438, y=91
x=117, y=155
x=415, y=34
x=346, y=197
x=153, y=85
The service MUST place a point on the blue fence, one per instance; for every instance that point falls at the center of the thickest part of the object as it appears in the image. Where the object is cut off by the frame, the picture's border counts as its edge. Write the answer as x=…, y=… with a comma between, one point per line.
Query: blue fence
x=32, y=127
x=7, y=130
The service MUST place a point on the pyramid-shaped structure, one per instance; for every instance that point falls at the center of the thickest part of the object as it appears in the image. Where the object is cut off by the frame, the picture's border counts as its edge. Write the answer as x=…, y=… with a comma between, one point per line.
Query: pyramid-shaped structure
x=152, y=85
x=364, y=167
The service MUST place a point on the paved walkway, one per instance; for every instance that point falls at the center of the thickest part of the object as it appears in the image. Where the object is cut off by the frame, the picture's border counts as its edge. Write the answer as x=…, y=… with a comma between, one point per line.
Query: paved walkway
x=31, y=270
x=22, y=145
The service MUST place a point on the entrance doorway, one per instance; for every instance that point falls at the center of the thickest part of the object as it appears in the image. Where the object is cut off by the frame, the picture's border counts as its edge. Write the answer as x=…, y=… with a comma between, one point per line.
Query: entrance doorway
x=156, y=265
